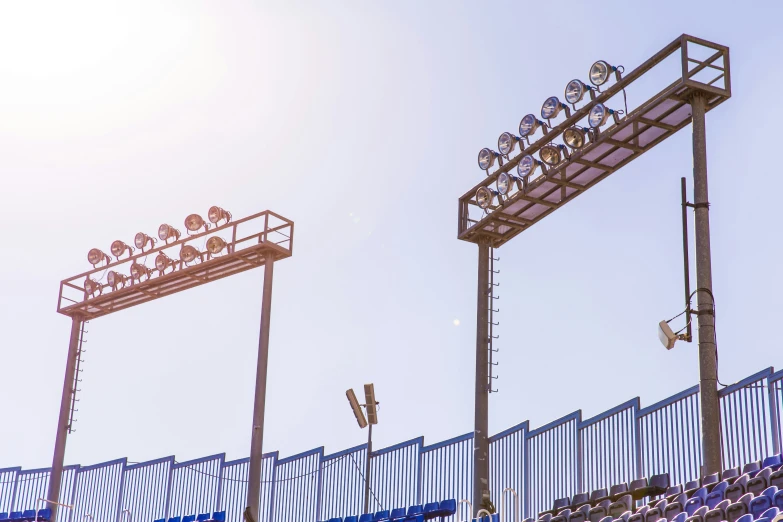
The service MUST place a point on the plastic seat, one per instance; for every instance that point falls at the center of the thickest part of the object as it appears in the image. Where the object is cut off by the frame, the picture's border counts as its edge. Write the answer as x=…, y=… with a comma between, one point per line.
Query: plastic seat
x=448, y=507
x=698, y=515
x=623, y=504
x=716, y=495
x=220, y=516
x=640, y=514
x=559, y=504
x=697, y=500
x=637, y=485
x=656, y=513
x=189, y=518
x=598, y=495
x=203, y=517
x=367, y=517
x=384, y=515
x=580, y=499
x=4, y=516
x=160, y=520
x=760, y=482
x=776, y=479
x=711, y=479
x=675, y=507
x=580, y=514
x=718, y=513
x=736, y=490
x=174, y=519
x=562, y=516
x=771, y=513
x=28, y=514
x=679, y=517
x=617, y=491
x=418, y=517
x=773, y=462
x=397, y=514
x=337, y=519
x=546, y=517
x=751, y=468
x=740, y=508
x=599, y=511
x=730, y=473
x=15, y=515
x=352, y=518
x=745, y=518
x=671, y=493
x=777, y=500
x=762, y=502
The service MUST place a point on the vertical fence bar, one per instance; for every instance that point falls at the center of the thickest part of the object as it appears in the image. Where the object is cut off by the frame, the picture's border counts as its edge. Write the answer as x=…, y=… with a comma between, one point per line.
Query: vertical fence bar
x=145, y=489
x=507, y=468
x=96, y=491
x=342, y=492
x=448, y=471
x=744, y=420
x=775, y=391
x=393, y=475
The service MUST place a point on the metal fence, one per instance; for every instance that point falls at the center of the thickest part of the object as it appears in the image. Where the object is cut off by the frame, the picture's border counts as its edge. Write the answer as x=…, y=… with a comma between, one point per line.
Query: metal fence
x=564, y=457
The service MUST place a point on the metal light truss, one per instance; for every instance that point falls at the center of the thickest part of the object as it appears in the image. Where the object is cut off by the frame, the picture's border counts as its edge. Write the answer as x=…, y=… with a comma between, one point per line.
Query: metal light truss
x=614, y=147
x=249, y=241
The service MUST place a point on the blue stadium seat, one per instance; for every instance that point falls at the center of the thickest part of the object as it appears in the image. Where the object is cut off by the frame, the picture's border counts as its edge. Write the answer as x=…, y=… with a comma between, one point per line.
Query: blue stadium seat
x=397, y=514
x=675, y=507
x=352, y=518
x=736, y=490
x=599, y=511
x=219, y=516
x=740, y=508
x=762, y=502
x=598, y=495
x=711, y=479
x=777, y=500
x=4, y=516
x=640, y=514
x=619, y=507
x=697, y=500
x=716, y=495
x=580, y=514
x=698, y=515
x=418, y=517
x=751, y=468
x=28, y=514
x=544, y=517
x=189, y=518
x=730, y=473
x=773, y=462
x=175, y=519
x=562, y=516
x=579, y=500
x=45, y=514
x=656, y=513
x=430, y=509
x=745, y=518
x=367, y=517
x=15, y=515
x=381, y=515
x=718, y=513
x=771, y=513
x=617, y=491
x=760, y=482
x=160, y=520
x=776, y=479
x=637, y=484
x=448, y=507
x=679, y=517
x=336, y=519
x=203, y=517
x=416, y=509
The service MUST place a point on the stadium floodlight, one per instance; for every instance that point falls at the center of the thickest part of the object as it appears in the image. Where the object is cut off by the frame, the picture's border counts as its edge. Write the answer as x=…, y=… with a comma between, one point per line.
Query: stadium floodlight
x=552, y=107
x=369, y=397
x=166, y=232
x=575, y=137
x=575, y=91
x=215, y=245
x=139, y=271
x=507, y=142
x=119, y=247
x=91, y=286
x=599, y=114
x=217, y=214
x=116, y=280
x=188, y=254
x=485, y=196
x=667, y=336
x=527, y=167
x=600, y=70
x=96, y=256
x=486, y=158
x=553, y=153
x=141, y=240
x=529, y=125
x=194, y=223
x=162, y=262
x=357, y=408
x=504, y=182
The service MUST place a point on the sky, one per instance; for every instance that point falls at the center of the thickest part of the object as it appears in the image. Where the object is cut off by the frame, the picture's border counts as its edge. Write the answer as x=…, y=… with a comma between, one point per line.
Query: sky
x=361, y=122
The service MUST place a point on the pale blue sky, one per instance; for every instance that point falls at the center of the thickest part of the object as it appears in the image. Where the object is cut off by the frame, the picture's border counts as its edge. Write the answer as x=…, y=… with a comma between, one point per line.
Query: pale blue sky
x=360, y=121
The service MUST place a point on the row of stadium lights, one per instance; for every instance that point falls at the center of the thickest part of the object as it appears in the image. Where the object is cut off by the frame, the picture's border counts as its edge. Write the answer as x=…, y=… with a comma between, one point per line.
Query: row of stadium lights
x=194, y=223
x=551, y=154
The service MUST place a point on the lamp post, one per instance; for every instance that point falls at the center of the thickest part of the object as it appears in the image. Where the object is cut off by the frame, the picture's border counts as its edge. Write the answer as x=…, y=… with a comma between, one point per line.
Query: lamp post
x=600, y=137
x=370, y=406
x=232, y=247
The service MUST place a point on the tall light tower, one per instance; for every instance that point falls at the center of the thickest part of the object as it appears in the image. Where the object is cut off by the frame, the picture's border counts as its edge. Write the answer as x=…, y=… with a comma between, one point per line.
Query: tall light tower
x=598, y=134
x=210, y=250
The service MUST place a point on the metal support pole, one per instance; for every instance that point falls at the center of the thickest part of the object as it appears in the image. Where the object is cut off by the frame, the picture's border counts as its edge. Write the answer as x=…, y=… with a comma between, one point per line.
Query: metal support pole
x=685, y=260
x=367, y=472
x=257, y=437
x=481, y=421
x=708, y=357
x=62, y=423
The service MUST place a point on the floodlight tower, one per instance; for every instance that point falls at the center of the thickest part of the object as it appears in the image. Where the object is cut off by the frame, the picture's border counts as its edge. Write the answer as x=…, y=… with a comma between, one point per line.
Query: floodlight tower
x=371, y=406
x=232, y=246
x=598, y=138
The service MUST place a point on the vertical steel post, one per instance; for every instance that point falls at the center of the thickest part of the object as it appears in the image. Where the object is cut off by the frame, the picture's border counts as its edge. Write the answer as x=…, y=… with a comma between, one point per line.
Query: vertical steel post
x=708, y=363
x=685, y=259
x=257, y=437
x=367, y=472
x=481, y=420
x=62, y=423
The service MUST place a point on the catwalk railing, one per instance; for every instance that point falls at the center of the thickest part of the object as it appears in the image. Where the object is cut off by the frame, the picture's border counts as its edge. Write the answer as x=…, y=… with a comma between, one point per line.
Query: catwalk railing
x=567, y=456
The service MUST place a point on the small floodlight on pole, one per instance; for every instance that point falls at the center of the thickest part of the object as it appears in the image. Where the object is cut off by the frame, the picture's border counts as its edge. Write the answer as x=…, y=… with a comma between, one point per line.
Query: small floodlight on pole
x=372, y=416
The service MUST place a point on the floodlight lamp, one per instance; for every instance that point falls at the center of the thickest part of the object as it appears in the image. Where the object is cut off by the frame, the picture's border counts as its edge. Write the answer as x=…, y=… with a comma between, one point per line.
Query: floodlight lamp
x=139, y=271
x=95, y=257
x=552, y=107
x=507, y=142
x=215, y=245
x=165, y=232
x=600, y=71
x=575, y=137
x=527, y=167
x=162, y=262
x=552, y=154
x=141, y=240
x=371, y=403
x=116, y=280
x=91, y=286
x=484, y=197
x=575, y=91
x=194, y=223
x=486, y=158
x=504, y=182
x=188, y=254
x=529, y=125
x=599, y=114
x=118, y=248
x=217, y=214
x=666, y=335
x=357, y=408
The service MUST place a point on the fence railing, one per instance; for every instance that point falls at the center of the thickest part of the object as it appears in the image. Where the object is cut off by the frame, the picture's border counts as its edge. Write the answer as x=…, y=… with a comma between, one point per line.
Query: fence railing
x=564, y=457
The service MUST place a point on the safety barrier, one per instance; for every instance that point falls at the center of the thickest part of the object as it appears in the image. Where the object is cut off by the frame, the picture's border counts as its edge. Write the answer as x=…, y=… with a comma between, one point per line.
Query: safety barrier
x=564, y=457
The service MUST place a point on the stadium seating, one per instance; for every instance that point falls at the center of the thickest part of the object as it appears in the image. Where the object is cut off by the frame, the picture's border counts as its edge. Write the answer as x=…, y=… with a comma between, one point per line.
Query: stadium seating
x=762, y=502
x=415, y=513
x=698, y=515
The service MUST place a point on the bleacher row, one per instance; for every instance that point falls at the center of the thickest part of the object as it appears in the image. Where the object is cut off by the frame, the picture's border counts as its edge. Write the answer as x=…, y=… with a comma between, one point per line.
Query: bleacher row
x=755, y=495
x=415, y=513
x=217, y=516
x=27, y=516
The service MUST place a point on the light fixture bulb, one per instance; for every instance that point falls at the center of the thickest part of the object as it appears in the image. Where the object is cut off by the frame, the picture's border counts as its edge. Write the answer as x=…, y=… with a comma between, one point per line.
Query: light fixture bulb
x=575, y=91
x=484, y=197
x=503, y=183
x=215, y=245
x=162, y=262
x=141, y=239
x=666, y=335
x=137, y=271
x=91, y=286
x=118, y=248
x=550, y=154
x=599, y=72
x=507, y=142
x=528, y=125
x=194, y=223
x=599, y=114
x=167, y=231
x=115, y=279
x=527, y=166
x=574, y=137
x=486, y=158
x=216, y=214
x=551, y=108
x=188, y=254
x=95, y=256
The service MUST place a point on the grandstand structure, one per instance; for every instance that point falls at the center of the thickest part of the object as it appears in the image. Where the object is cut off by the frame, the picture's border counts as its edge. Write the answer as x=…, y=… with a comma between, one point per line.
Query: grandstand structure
x=563, y=458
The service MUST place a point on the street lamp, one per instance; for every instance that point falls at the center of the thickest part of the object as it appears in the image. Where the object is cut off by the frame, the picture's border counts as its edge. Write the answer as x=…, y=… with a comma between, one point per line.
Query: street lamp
x=114, y=285
x=371, y=406
x=600, y=141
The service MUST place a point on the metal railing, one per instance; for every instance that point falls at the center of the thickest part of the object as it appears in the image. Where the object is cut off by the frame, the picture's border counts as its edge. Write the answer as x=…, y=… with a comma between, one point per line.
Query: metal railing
x=559, y=459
